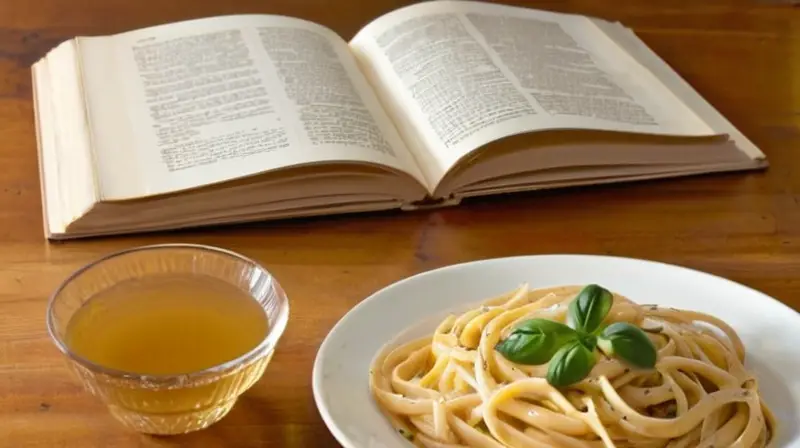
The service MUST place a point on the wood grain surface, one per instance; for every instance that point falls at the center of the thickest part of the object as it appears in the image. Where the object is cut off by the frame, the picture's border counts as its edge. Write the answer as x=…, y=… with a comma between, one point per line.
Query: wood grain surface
x=743, y=56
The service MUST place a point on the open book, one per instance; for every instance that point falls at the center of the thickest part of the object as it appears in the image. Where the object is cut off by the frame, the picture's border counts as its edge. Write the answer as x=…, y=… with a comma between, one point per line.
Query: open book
x=254, y=117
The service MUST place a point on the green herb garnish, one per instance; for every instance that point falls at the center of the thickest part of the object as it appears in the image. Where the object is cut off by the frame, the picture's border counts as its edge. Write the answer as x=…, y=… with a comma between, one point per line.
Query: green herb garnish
x=407, y=434
x=570, y=348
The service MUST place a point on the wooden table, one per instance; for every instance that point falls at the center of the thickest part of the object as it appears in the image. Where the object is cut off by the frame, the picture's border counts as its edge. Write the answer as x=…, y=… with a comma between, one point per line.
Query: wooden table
x=743, y=56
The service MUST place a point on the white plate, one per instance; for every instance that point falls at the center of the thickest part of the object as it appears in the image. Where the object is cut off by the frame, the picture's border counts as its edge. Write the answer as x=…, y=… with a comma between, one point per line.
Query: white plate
x=769, y=329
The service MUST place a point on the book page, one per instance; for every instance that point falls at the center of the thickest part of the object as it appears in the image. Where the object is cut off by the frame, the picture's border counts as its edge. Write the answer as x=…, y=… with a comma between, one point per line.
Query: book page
x=194, y=103
x=458, y=74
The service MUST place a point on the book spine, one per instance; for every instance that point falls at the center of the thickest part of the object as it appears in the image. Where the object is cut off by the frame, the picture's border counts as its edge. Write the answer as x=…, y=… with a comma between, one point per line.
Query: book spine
x=431, y=203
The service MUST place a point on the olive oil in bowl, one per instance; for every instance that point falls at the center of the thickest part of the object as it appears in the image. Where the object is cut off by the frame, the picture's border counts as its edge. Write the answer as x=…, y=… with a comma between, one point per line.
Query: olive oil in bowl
x=169, y=324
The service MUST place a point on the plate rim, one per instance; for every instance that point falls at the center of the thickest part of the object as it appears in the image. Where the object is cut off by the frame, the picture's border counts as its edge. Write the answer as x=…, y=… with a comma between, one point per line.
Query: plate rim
x=317, y=376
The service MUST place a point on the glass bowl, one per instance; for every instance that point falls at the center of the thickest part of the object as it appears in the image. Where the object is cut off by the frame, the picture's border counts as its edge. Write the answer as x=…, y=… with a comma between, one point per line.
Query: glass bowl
x=166, y=404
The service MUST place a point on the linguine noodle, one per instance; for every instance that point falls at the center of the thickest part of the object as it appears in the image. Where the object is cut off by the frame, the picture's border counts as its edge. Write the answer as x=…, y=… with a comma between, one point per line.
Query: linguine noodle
x=453, y=389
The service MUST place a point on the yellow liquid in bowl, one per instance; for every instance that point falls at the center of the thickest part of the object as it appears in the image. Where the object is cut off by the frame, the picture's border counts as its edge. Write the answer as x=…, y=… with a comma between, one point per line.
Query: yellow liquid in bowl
x=169, y=325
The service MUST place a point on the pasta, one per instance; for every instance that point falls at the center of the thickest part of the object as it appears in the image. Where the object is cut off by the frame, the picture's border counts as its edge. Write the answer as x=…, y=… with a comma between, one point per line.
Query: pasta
x=455, y=389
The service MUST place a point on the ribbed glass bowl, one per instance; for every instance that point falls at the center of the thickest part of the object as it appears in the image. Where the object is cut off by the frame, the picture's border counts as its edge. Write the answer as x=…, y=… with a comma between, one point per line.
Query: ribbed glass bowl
x=170, y=404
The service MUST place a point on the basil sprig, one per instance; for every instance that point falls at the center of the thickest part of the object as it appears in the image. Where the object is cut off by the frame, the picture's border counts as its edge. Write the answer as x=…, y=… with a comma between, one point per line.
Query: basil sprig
x=569, y=349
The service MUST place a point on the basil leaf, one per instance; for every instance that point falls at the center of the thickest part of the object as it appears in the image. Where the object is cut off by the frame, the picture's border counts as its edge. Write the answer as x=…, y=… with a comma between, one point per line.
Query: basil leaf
x=629, y=343
x=571, y=363
x=588, y=309
x=535, y=341
x=545, y=326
